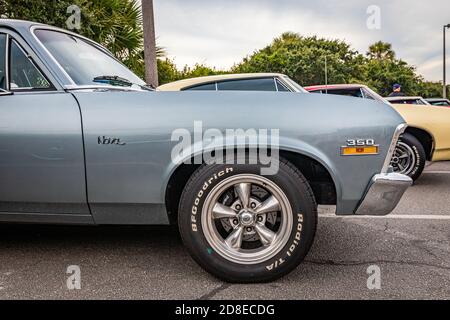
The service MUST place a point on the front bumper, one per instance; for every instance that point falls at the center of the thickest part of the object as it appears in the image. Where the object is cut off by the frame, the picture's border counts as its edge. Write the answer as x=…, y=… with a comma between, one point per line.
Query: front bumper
x=384, y=194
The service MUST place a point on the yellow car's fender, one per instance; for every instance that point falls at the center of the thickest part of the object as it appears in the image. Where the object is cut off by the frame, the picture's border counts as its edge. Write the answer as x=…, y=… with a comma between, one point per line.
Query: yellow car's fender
x=435, y=121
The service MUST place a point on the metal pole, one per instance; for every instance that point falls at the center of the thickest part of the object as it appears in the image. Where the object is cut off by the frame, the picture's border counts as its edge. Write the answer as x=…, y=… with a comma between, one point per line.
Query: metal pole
x=445, y=69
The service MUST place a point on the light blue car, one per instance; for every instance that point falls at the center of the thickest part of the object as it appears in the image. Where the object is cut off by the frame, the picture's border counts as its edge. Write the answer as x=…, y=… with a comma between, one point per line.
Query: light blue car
x=84, y=141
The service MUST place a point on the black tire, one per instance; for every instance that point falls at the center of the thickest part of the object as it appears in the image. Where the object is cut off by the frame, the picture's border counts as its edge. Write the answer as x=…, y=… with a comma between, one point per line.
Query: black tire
x=410, y=145
x=301, y=234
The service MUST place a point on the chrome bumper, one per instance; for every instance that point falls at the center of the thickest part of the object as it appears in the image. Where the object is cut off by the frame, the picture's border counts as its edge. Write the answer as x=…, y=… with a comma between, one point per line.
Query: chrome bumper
x=384, y=194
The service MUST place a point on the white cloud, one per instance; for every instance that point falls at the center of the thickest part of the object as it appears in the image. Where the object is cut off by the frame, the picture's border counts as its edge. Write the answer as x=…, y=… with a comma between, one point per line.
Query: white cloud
x=222, y=32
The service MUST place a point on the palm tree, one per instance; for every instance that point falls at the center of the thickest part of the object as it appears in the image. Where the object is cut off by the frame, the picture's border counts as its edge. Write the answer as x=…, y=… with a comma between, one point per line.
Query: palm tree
x=381, y=50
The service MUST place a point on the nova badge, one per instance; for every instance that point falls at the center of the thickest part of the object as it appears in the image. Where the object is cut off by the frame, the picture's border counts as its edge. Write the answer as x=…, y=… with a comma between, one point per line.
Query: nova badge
x=110, y=141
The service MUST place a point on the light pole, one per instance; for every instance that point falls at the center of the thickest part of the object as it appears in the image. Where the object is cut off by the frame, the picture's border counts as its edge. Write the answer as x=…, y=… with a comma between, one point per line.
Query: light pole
x=447, y=26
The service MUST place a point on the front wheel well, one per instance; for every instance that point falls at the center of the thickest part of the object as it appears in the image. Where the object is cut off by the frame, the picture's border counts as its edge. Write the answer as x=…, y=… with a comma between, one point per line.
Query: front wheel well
x=317, y=175
x=425, y=139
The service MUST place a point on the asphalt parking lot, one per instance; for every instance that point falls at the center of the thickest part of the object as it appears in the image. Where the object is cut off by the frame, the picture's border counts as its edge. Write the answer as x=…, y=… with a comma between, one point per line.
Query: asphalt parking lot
x=411, y=248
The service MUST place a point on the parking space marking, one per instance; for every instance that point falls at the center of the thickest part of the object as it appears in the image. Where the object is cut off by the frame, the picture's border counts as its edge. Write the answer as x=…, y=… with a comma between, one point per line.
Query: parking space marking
x=392, y=216
x=437, y=172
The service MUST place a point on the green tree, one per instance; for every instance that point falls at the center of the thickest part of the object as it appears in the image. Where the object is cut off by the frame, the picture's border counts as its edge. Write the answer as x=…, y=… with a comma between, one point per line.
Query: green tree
x=382, y=70
x=429, y=89
x=381, y=75
x=168, y=71
x=116, y=24
x=381, y=50
x=303, y=59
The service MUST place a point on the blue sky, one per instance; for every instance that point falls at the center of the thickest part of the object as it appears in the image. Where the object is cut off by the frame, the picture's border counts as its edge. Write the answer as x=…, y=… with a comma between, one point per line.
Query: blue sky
x=221, y=32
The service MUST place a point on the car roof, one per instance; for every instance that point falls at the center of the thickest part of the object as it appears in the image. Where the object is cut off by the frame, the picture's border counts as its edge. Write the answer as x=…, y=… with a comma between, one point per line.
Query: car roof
x=186, y=83
x=436, y=99
x=404, y=98
x=335, y=86
x=13, y=23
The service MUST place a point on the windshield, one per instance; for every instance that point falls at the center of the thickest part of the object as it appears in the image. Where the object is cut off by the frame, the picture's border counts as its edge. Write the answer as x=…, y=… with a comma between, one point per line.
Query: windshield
x=370, y=94
x=294, y=85
x=84, y=62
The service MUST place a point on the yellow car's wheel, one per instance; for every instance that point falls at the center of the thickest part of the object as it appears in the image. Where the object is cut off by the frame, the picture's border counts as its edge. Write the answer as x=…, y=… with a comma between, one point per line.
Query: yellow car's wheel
x=409, y=157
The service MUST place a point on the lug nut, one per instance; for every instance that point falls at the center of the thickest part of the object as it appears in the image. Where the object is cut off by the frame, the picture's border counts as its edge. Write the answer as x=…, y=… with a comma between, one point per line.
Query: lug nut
x=235, y=221
x=249, y=229
x=253, y=205
x=238, y=207
x=260, y=219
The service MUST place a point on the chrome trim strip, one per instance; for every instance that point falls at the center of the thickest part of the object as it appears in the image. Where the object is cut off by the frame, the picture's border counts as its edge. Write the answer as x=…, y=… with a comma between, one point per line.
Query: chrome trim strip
x=7, y=83
x=398, y=132
x=101, y=87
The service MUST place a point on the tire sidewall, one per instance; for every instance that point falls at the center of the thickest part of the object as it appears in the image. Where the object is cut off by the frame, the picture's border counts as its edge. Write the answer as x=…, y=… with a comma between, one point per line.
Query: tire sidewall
x=301, y=235
x=419, y=153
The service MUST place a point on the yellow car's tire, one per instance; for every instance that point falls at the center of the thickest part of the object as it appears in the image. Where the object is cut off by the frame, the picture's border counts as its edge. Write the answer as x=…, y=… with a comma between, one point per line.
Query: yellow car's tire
x=409, y=157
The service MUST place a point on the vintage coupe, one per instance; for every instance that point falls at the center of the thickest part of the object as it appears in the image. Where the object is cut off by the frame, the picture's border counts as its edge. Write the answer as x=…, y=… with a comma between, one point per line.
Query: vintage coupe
x=427, y=136
x=84, y=141
x=419, y=101
x=272, y=82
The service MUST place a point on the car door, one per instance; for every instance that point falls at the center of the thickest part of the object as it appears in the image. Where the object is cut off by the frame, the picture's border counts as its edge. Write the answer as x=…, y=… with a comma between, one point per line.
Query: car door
x=42, y=168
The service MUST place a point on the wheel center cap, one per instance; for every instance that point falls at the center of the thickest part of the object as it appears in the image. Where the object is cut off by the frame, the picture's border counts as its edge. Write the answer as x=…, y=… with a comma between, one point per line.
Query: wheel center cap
x=395, y=160
x=247, y=219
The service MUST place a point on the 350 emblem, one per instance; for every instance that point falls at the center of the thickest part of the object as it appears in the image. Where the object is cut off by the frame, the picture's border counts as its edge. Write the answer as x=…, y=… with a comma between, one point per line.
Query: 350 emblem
x=360, y=142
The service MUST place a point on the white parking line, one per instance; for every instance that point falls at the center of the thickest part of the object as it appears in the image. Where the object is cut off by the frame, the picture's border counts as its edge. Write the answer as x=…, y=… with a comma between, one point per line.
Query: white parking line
x=437, y=172
x=392, y=216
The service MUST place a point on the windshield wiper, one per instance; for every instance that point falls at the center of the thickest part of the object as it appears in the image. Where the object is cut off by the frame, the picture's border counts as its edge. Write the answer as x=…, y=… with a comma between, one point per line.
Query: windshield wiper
x=114, y=81
x=121, y=82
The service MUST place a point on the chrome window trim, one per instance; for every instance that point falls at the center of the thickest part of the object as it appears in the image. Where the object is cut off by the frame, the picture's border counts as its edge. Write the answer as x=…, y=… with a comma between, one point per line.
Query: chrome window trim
x=288, y=86
x=398, y=132
x=28, y=56
x=276, y=84
x=33, y=29
x=7, y=84
x=279, y=82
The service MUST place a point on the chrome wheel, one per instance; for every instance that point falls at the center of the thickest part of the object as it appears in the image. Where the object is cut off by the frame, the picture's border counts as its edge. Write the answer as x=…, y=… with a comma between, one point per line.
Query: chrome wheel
x=247, y=219
x=404, y=159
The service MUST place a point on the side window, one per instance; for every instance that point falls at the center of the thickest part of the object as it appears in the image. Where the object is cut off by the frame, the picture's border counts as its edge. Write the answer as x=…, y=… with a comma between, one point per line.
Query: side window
x=265, y=84
x=357, y=93
x=2, y=61
x=281, y=87
x=24, y=74
x=204, y=87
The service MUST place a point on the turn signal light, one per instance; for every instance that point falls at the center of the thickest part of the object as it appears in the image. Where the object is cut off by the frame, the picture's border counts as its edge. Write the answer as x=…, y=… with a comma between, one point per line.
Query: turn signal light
x=359, y=151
